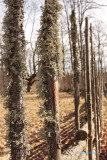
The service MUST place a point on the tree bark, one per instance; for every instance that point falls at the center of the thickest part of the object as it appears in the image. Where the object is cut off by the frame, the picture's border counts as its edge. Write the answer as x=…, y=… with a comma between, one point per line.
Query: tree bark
x=16, y=127
x=30, y=81
x=85, y=77
x=93, y=70
x=2, y=72
x=89, y=105
x=54, y=142
x=69, y=34
x=97, y=107
x=101, y=122
x=15, y=66
x=49, y=69
x=63, y=51
x=76, y=68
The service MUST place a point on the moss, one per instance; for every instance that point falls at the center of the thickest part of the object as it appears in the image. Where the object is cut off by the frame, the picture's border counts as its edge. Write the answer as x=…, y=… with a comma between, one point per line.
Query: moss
x=14, y=61
x=49, y=66
x=49, y=46
x=74, y=37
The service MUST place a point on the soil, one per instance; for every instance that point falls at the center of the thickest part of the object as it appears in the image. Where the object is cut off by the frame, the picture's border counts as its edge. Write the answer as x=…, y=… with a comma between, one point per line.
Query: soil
x=36, y=145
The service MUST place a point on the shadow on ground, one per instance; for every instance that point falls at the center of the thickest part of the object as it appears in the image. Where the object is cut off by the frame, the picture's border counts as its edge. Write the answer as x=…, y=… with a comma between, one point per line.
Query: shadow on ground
x=38, y=146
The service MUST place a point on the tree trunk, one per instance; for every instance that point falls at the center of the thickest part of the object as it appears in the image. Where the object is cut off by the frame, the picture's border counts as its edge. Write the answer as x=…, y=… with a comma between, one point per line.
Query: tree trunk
x=99, y=93
x=2, y=73
x=89, y=105
x=69, y=33
x=16, y=127
x=63, y=51
x=101, y=121
x=15, y=66
x=54, y=142
x=49, y=68
x=30, y=81
x=97, y=108
x=93, y=70
x=28, y=87
x=81, y=57
x=76, y=68
x=80, y=39
x=85, y=77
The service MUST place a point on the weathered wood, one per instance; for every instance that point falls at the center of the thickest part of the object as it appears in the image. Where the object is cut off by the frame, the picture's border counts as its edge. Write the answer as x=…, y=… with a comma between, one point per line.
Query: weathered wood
x=97, y=106
x=85, y=77
x=89, y=104
x=74, y=38
x=93, y=91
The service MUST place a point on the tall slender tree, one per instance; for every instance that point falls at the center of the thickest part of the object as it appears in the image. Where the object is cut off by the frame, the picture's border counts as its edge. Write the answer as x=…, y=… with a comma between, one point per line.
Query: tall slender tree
x=74, y=37
x=89, y=104
x=97, y=106
x=101, y=109
x=93, y=69
x=68, y=28
x=63, y=50
x=85, y=78
x=49, y=51
x=14, y=49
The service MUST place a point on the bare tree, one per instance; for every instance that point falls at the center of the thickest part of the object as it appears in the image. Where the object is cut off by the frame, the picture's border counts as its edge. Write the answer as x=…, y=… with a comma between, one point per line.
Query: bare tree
x=89, y=105
x=69, y=28
x=100, y=37
x=74, y=38
x=83, y=7
x=32, y=9
x=63, y=49
x=93, y=70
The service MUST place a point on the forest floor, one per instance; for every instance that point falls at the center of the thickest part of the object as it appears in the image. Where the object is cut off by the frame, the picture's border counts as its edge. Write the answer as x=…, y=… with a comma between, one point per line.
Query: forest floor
x=79, y=151
x=103, y=147
x=37, y=146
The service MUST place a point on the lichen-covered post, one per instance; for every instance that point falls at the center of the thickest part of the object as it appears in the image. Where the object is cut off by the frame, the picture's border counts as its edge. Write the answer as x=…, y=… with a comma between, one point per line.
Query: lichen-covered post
x=93, y=68
x=85, y=78
x=89, y=104
x=74, y=38
x=50, y=53
x=14, y=60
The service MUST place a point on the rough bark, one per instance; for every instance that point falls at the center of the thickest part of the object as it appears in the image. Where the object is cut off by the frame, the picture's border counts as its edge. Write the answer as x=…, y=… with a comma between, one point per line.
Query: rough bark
x=85, y=78
x=50, y=54
x=76, y=68
x=63, y=51
x=97, y=106
x=93, y=70
x=53, y=139
x=99, y=91
x=14, y=63
x=81, y=44
x=101, y=122
x=2, y=69
x=100, y=88
x=89, y=105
